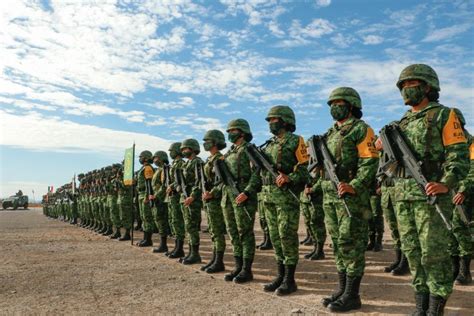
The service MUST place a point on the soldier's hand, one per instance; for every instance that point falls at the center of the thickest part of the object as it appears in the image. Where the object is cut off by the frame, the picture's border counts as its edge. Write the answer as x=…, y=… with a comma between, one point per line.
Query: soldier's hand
x=207, y=195
x=378, y=144
x=344, y=188
x=459, y=198
x=435, y=188
x=151, y=197
x=188, y=201
x=241, y=198
x=282, y=179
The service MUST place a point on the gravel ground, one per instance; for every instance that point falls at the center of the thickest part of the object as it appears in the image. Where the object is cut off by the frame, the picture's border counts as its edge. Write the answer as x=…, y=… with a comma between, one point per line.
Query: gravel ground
x=51, y=267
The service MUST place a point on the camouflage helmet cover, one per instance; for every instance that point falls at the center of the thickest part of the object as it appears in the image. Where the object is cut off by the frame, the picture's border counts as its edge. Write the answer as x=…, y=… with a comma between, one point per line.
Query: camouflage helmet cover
x=242, y=125
x=217, y=137
x=146, y=154
x=191, y=143
x=284, y=112
x=176, y=147
x=163, y=156
x=419, y=72
x=347, y=94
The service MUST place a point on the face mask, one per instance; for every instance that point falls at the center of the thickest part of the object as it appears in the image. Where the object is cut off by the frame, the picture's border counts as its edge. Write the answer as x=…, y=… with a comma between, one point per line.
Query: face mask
x=233, y=137
x=187, y=154
x=157, y=163
x=141, y=160
x=208, y=145
x=276, y=127
x=413, y=95
x=339, y=112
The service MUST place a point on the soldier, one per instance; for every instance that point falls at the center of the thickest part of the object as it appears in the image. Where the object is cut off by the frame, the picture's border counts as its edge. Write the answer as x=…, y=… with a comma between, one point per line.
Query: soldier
x=288, y=154
x=350, y=141
x=214, y=141
x=160, y=209
x=190, y=200
x=435, y=136
x=311, y=205
x=461, y=243
x=112, y=200
x=145, y=197
x=239, y=211
x=172, y=198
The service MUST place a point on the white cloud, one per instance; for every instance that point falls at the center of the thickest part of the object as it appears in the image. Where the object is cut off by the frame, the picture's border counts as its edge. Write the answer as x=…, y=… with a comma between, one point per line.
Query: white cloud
x=372, y=39
x=299, y=35
x=446, y=33
x=342, y=41
x=184, y=102
x=323, y=3
x=219, y=106
x=36, y=132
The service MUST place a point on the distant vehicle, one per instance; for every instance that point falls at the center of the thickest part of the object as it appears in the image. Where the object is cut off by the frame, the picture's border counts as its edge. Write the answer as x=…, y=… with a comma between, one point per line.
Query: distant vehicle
x=15, y=202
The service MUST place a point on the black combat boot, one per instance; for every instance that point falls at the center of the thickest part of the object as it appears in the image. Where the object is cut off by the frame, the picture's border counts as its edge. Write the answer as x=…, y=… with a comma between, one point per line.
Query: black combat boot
x=207, y=265
x=73, y=221
x=180, y=260
x=178, y=252
x=393, y=265
x=334, y=296
x=402, y=267
x=288, y=285
x=436, y=306
x=245, y=274
x=350, y=300
x=378, y=242
x=109, y=231
x=218, y=264
x=306, y=238
x=422, y=301
x=455, y=260
x=171, y=251
x=117, y=234
x=308, y=255
x=163, y=244
x=125, y=236
x=267, y=245
x=371, y=244
x=319, y=253
x=276, y=282
x=103, y=229
x=238, y=267
x=147, y=241
x=309, y=242
x=194, y=257
x=464, y=277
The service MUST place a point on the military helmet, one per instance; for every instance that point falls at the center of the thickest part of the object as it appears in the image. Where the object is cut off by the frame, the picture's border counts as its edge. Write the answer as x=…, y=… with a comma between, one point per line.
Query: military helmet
x=347, y=94
x=420, y=72
x=163, y=156
x=217, y=137
x=191, y=143
x=284, y=112
x=242, y=125
x=146, y=154
x=175, y=147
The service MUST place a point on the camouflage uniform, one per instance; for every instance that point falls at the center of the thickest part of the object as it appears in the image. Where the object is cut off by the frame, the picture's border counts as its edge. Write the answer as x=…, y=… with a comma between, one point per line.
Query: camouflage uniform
x=435, y=136
x=144, y=176
x=160, y=209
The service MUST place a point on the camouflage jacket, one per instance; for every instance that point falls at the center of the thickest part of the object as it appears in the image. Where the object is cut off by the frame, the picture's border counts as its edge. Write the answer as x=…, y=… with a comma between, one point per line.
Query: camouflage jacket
x=144, y=174
x=352, y=147
x=157, y=183
x=189, y=173
x=467, y=185
x=215, y=190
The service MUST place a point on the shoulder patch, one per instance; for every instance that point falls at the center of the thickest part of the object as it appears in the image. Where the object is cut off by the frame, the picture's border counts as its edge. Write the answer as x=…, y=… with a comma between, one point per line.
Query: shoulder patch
x=148, y=172
x=366, y=148
x=301, y=151
x=452, y=130
x=471, y=151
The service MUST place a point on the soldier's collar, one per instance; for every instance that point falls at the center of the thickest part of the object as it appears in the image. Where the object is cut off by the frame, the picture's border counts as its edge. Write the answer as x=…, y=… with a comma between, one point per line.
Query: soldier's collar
x=430, y=106
x=349, y=121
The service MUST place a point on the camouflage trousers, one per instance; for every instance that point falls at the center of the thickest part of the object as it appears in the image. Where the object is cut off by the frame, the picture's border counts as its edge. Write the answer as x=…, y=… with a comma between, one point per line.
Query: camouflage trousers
x=125, y=205
x=313, y=215
x=239, y=221
x=425, y=241
x=114, y=210
x=215, y=218
x=376, y=224
x=160, y=216
x=261, y=214
x=461, y=241
x=192, y=221
x=105, y=211
x=283, y=216
x=387, y=203
x=176, y=215
x=349, y=235
x=145, y=214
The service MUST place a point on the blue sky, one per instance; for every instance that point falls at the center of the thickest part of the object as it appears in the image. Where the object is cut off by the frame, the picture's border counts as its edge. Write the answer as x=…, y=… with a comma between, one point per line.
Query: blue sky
x=82, y=80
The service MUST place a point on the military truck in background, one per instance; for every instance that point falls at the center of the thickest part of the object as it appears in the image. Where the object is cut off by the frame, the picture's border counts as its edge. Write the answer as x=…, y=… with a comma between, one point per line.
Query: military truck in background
x=15, y=201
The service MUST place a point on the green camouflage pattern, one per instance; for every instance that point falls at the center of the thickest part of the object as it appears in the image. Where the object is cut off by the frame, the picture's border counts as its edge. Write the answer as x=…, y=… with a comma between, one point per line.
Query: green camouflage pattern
x=284, y=112
x=419, y=72
x=192, y=213
x=174, y=207
x=160, y=208
x=347, y=94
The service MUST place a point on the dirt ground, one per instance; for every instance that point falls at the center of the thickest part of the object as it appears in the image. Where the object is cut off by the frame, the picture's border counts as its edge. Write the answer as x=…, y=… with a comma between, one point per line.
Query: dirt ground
x=51, y=267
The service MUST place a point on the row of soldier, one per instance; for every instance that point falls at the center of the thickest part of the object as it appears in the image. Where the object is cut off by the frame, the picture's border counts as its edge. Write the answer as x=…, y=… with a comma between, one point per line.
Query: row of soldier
x=336, y=180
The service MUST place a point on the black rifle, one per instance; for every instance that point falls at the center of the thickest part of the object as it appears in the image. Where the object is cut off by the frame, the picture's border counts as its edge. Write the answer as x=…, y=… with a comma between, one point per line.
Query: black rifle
x=182, y=185
x=259, y=160
x=399, y=154
x=223, y=175
x=321, y=157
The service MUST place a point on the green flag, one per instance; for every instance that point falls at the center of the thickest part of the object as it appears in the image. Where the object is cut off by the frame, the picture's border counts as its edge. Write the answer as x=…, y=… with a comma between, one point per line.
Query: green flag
x=128, y=166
